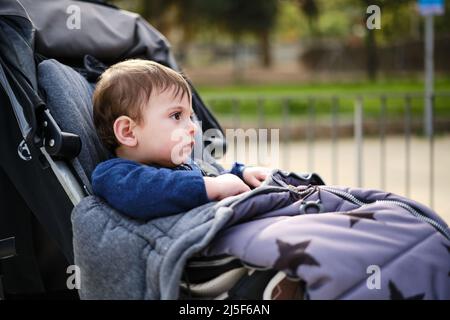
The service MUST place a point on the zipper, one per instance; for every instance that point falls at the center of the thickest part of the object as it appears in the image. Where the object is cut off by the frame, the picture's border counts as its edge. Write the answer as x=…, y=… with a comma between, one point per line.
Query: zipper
x=410, y=209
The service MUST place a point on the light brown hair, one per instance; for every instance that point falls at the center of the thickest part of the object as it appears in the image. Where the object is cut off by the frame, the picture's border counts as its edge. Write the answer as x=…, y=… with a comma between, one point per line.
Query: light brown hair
x=125, y=89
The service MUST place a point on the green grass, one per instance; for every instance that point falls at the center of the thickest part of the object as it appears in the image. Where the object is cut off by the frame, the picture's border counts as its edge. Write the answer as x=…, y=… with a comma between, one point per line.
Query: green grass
x=385, y=86
x=227, y=101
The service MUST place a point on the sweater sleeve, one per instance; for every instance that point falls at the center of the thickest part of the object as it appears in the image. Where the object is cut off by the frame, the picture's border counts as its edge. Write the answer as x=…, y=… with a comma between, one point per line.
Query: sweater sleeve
x=237, y=169
x=144, y=192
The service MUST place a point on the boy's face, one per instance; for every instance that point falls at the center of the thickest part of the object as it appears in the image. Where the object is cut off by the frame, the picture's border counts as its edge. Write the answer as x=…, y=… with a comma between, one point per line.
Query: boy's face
x=166, y=133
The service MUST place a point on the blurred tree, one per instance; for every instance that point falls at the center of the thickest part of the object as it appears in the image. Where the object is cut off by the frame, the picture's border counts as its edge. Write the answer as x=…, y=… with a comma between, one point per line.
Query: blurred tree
x=189, y=19
x=442, y=24
x=371, y=43
x=157, y=12
x=235, y=17
x=394, y=14
x=388, y=7
x=311, y=10
x=240, y=17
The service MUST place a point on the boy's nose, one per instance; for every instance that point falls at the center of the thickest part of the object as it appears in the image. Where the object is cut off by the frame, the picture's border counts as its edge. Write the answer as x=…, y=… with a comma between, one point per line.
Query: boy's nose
x=192, y=129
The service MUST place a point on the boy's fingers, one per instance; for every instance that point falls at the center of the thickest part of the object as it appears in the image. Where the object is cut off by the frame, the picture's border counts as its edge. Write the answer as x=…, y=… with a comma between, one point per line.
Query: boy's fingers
x=253, y=181
x=263, y=175
x=257, y=183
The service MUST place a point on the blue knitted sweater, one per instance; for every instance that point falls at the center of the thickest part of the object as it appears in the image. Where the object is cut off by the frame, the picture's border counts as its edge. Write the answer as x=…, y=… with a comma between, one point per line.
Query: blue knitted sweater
x=146, y=192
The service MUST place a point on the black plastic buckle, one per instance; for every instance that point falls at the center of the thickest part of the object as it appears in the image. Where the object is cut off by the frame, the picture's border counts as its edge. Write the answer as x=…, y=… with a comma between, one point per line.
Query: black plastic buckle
x=58, y=143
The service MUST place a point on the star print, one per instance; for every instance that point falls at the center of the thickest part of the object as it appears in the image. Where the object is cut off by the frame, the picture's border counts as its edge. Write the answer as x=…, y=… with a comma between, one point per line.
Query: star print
x=357, y=216
x=396, y=294
x=292, y=256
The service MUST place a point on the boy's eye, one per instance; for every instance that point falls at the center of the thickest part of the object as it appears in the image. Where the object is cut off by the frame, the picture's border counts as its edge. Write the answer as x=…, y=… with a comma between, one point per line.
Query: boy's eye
x=176, y=115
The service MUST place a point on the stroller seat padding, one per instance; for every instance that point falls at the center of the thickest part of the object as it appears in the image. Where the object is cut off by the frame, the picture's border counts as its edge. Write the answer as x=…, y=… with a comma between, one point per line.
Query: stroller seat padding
x=136, y=260
x=68, y=96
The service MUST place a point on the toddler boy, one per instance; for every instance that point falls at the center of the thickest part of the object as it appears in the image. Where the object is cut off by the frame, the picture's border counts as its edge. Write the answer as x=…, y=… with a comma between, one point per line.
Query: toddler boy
x=143, y=115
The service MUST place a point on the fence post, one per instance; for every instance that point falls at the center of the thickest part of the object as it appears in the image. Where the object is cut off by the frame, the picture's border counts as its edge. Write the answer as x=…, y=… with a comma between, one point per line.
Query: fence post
x=286, y=134
x=407, y=145
x=358, y=134
x=236, y=114
x=311, y=133
x=261, y=121
x=383, y=143
x=334, y=150
x=261, y=118
x=431, y=148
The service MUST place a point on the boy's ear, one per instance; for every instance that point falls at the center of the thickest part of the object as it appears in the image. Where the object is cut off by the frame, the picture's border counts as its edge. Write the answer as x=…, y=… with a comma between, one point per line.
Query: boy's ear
x=123, y=130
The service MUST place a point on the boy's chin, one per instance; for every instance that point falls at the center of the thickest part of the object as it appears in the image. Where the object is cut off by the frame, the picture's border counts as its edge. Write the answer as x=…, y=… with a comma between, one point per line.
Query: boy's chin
x=181, y=160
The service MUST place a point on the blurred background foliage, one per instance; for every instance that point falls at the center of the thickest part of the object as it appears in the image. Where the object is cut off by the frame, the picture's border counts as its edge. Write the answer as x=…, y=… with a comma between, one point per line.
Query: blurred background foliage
x=266, y=24
x=275, y=48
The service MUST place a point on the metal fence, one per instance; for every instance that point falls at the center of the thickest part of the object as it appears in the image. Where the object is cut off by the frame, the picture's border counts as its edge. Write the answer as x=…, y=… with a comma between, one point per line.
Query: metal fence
x=365, y=115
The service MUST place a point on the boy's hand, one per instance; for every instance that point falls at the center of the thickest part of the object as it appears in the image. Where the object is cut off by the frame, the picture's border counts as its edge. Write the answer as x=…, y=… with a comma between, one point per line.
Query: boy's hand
x=224, y=186
x=253, y=176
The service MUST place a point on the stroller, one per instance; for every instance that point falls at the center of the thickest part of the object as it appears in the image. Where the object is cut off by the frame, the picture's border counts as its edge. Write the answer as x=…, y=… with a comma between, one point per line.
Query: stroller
x=49, y=149
x=47, y=154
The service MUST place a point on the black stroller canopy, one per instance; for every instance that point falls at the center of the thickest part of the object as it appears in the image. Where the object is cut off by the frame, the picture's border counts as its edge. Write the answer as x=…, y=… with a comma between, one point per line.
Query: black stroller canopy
x=17, y=74
x=107, y=33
